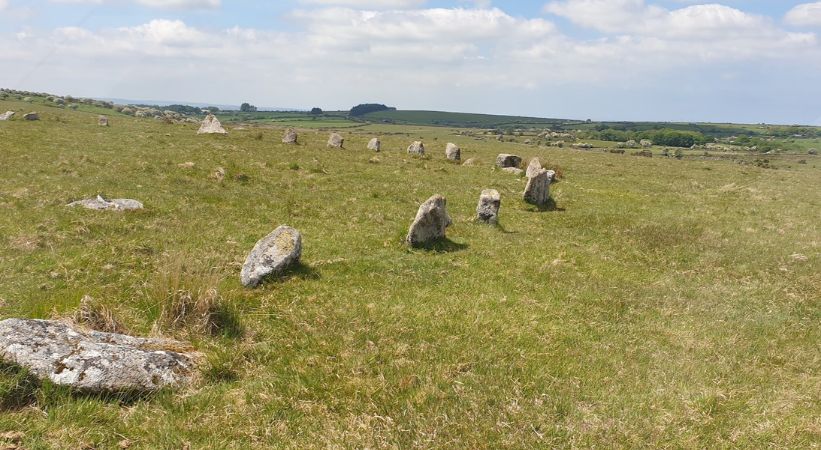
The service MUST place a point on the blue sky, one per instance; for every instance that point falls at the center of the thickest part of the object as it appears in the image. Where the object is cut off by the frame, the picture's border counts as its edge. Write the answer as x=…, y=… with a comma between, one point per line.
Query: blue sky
x=679, y=60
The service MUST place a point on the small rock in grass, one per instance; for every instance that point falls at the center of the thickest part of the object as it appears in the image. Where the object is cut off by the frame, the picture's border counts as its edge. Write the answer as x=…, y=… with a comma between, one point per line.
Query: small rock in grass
x=6, y=115
x=335, y=140
x=100, y=203
x=506, y=160
x=102, y=121
x=453, y=152
x=290, y=136
x=375, y=145
x=272, y=255
x=416, y=148
x=211, y=125
x=31, y=116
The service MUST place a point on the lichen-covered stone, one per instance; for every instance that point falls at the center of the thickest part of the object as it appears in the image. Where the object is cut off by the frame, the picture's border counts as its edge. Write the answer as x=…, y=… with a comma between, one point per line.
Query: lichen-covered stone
x=289, y=137
x=506, y=160
x=533, y=168
x=416, y=148
x=430, y=223
x=537, y=191
x=92, y=360
x=102, y=121
x=488, y=209
x=375, y=145
x=335, y=140
x=99, y=203
x=272, y=255
x=31, y=116
x=453, y=152
x=211, y=125
x=6, y=115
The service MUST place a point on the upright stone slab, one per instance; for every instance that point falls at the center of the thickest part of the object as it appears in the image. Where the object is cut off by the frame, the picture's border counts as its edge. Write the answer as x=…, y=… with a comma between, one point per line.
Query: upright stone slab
x=6, y=115
x=430, y=223
x=31, y=116
x=272, y=255
x=375, y=145
x=211, y=125
x=534, y=167
x=488, y=209
x=335, y=140
x=453, y=152
x=102, y=121
x=506, y=160
x=289, y=137
x=537, y=191
x=416, y=148
x=92, y=360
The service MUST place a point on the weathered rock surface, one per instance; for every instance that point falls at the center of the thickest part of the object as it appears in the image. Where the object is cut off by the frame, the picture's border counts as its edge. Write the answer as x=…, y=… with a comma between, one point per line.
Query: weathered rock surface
x=102, y=121
x=646, y=143
x=92, y=360
x=513, y=170
x=272, y=255
x=417, y=148
x=289, y=137
x=506, y=160
x=211, y=125
x=431, y=221
x=335, y=140
x=375, y=145
x=488, y=209
x=453, y=152
x=537, y=191
x=534, y=167
x=31, y=116
x=6, y=115
x=99, y=203
x=471, y=162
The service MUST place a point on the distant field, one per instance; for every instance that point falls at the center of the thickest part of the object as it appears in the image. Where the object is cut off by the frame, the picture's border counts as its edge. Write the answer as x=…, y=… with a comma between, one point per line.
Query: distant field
x=663, y=303
x=462, y=120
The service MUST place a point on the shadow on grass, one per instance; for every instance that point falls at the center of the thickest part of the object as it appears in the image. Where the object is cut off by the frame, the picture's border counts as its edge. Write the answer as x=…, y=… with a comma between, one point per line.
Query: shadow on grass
x=443, y=245
x=549, y=206
x=299, y=271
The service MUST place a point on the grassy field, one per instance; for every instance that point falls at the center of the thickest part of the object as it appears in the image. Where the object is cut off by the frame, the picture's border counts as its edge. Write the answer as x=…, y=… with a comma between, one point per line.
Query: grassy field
x=451, y=119
x=663, y=303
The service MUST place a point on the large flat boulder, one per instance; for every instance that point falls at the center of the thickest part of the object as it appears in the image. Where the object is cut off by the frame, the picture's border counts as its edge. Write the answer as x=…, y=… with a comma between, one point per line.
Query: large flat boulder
x=100, y=203
x=430, y=223
x=6, y=115
x=271, y=255
x=92, y=360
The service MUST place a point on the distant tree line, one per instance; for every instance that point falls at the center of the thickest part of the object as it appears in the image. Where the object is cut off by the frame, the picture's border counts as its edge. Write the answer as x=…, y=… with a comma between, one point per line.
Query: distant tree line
x=665, y=136
x=247, y=107
x=367, y=108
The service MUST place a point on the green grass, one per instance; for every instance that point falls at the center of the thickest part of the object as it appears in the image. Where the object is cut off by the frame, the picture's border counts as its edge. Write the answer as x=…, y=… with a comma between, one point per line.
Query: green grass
x=466, y=120
x=665, y=303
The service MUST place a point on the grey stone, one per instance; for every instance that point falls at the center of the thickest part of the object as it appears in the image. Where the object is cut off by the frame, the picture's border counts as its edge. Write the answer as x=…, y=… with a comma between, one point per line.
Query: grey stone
x=92, y=360
x=506, y=160
x=488, y=209
x=211, y=125
x=471, y=162
x=430, y=223
x=453, y=152
x=416, y=148
x=375, y=145
x=335, y=140
x=646, y=143
x=31, y=116
x=272, y=255
x=100, y=203
x=537, y=191
x=534, y=167
x=513, y=170
x=289, y=137
x=6, y=115
x=102, y=121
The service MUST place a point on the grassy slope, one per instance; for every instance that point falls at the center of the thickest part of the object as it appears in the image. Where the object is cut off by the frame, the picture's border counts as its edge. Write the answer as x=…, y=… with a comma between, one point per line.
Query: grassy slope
x=460, y=119
x=660, y=306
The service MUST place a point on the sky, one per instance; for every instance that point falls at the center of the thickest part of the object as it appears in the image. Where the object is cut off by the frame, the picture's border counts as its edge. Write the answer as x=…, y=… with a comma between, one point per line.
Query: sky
x=655, y=60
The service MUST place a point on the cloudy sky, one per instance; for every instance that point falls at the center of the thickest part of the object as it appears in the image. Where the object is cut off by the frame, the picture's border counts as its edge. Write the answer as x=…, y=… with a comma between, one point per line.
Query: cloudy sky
x=680, y=60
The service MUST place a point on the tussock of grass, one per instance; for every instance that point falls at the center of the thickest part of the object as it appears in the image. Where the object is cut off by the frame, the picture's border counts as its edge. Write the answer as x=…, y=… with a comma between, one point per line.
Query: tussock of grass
x=97, y=316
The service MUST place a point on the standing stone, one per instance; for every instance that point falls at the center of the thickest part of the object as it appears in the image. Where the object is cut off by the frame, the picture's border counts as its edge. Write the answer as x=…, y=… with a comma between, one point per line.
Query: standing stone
x=506, y=160
x=417, y=148
x=537, y=191
x=289, y=137
x=453, y=152
x=431, y=221
x=6, y=115
x=102, y=121
x=534, y=167
x=488, y=209
x=211, y=125
x=335, y=140
x=31, y=116
x=272, y=255
x=375, y=145
x=94, y=361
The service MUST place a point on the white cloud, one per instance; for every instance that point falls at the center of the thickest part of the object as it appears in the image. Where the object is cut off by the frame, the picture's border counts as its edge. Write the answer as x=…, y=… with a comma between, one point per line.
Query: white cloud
x=368, y=4
x=160, y=4
x=3, y=4
x=606, y=15
x=805, y=15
